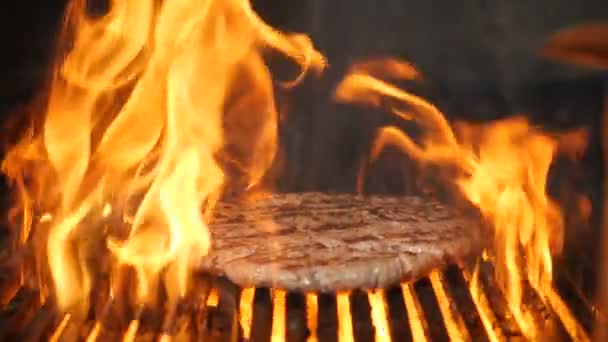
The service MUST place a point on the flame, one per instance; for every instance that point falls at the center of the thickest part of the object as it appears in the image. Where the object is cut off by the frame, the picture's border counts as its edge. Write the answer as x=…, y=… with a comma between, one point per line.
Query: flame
x=148, y=106
x=278, y=316
x=94, y=332
x=312, y=309
x=131, y=332
x=345, y=323
x=155, y=102
x=414, y=313
x=482, y=303
x=581, y=45
x=377, y=303
x=56, y=336
x=502, y=169
x=213, y=298
x=246, y=311
x=455, y=326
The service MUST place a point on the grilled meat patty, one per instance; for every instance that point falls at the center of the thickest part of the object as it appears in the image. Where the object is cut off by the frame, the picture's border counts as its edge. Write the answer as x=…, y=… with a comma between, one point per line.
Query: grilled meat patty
x=328, y=242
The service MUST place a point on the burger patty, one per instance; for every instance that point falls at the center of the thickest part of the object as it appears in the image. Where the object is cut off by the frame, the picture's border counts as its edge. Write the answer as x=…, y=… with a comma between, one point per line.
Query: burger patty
x=328, y=242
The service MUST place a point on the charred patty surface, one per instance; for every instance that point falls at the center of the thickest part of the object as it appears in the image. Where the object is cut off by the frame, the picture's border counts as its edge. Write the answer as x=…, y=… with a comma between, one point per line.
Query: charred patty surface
x=329, y=242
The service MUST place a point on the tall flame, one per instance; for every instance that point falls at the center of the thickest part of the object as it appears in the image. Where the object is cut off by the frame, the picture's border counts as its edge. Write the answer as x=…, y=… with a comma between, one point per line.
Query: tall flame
x=503, y=168
x=145, y=110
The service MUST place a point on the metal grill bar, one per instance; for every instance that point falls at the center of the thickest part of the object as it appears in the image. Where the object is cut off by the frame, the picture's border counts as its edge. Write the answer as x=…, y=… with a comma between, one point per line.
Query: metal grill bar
x=278, y=316
x=262, y=316
x=312, y=316
x=458, y=290
x=345, y=325
x=328, y=318
x=582, y=307
x=360, y=319
x=418, y=324
x=19, y=313
x=246, y=311
x=450, y=304
x=379, y=316
x=296, y=318
x=11, y=280
x=454, y=322
x=430, y=308
x=397, y=315
x=486, y=315
x=60, y=328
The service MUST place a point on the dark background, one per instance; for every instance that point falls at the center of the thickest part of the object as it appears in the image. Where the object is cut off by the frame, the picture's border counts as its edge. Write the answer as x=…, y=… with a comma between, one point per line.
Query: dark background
x=479, y=58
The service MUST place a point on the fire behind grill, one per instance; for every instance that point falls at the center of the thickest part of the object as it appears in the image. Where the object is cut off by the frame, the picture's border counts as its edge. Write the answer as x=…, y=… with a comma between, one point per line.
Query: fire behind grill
x=439, y=307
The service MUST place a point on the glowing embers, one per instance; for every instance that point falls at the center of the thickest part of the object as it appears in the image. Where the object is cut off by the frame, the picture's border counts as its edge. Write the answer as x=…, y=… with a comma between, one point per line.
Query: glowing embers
x=449, y=304
x=452, y=319
x=57, y=333
x=486, y=314
x=414, y=311
x=92, y=337
x=131, y=331
x=345, y=324
x=379, y=316
x=278, y=316
x=246, y=311
x=312, y=315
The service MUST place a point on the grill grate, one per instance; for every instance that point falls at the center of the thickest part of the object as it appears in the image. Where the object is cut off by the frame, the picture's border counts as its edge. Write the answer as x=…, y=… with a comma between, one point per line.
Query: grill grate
x=440, y=307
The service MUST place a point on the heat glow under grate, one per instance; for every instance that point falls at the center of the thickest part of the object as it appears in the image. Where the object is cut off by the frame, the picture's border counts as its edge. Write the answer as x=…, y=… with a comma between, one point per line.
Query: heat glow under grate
x=443, y=306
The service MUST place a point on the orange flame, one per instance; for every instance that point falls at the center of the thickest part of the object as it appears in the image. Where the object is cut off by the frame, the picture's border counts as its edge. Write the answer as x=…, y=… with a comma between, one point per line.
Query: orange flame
x=143, y=111
x=503, y=171
x=414, y=313
x=246, y=311
x=312, y=308
x=379, y=315
x=482, y=303
x=345, y=324
x=278, y=316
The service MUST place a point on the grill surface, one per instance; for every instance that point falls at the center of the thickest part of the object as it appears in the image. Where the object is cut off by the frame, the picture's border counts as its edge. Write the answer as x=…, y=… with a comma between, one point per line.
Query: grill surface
x=440, y=307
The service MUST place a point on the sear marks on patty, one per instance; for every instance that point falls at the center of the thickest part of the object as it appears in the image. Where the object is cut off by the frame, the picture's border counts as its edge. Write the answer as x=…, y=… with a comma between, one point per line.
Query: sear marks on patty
x=334, y=242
